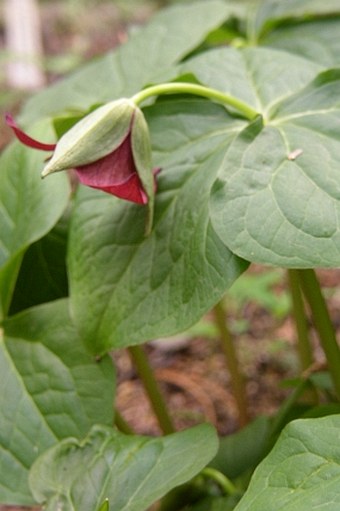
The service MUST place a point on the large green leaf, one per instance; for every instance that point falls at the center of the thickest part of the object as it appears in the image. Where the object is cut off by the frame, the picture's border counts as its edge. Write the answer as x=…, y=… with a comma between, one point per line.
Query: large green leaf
x=132, y=472
x=301, y=473
x=126, y=288
x=259, y=77
x=50, y=388
x=318, y=41
x=269, y=13
x=147, y=57
x=276, y=199
x=29, y=207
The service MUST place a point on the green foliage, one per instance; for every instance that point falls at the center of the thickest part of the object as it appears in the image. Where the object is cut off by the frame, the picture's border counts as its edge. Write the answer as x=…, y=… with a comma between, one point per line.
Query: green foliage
x=253, y=209
x=51, y=388
x=301, y=472
x=29, y=208
x=142, y=280
x=130, y=471
x=229, y=192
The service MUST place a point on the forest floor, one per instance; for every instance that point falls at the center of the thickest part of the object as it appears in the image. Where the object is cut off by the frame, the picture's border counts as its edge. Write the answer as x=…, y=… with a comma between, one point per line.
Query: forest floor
x=192, y=368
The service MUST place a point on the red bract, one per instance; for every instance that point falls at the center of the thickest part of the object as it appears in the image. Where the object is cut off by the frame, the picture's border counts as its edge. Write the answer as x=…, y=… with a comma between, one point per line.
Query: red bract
x=115, y=173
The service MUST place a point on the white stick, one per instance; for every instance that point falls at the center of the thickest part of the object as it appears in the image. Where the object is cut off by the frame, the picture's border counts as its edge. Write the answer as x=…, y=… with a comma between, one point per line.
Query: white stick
x=23, y=44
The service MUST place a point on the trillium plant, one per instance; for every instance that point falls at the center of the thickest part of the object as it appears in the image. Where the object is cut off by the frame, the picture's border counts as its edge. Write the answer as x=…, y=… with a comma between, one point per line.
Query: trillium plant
x=110, y=148
x=207, y=142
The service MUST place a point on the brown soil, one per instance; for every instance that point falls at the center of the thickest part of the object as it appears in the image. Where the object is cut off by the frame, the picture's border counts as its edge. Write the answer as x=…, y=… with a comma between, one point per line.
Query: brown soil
x=195, y=380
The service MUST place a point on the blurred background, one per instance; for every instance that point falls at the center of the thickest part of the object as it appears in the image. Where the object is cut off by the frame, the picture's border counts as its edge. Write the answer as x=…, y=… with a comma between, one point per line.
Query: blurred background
x=42, y=40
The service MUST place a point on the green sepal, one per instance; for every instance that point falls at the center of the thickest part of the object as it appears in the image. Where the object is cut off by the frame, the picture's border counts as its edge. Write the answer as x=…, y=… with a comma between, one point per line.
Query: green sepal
x=92, y=138
x=141, y=150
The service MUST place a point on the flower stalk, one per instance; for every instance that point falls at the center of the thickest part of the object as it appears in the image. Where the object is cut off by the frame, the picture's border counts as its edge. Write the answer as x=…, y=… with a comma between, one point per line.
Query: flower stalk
x=197, y=90
x=237, y=380
x=222, y=480
x=304, y=347
x=322, y=321
x=140, y=360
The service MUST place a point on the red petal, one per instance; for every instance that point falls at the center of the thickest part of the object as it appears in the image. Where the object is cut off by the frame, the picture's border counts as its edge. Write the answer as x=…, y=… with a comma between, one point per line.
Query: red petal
x=131, y=190
x=24, y=138
x=115, y=174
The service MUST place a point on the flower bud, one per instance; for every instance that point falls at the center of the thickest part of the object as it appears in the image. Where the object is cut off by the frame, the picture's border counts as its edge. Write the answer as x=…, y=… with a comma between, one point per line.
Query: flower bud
x=110, y=150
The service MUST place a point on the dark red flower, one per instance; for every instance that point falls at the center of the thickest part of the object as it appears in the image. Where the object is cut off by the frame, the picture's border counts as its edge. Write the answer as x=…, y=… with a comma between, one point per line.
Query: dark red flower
x=109, y=149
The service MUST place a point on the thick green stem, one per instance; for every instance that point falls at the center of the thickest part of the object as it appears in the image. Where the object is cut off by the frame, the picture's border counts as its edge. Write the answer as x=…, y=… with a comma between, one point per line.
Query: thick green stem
x=197, y=90
x=236, y=377
x=145, y=372
x=322, y=322
x=222, y=480
x=304, y=347
x=122, y=425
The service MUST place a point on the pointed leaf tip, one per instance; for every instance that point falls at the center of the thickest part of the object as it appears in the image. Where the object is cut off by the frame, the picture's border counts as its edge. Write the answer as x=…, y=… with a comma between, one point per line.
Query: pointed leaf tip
x=105, y=506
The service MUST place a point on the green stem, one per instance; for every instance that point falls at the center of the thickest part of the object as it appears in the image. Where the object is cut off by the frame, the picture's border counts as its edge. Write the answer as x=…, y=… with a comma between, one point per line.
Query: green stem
x=122, y=425
x=197, y=90
x=281, y=418
x=221, y=480
x=236, y=377
x=311, y=289
x=145, y=372
x=303, y=344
